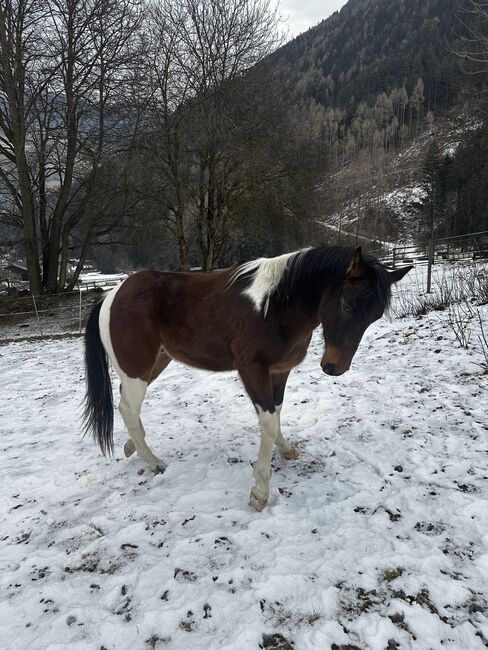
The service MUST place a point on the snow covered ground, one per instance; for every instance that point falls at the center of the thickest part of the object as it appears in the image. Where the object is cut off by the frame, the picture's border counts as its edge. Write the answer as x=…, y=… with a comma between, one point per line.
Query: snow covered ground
x=375, y=538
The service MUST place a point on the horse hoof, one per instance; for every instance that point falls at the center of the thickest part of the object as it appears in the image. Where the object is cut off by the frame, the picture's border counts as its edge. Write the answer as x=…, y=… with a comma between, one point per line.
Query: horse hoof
x=257, y=504
x=159, y=469
x=129, y=448
x=290, y=454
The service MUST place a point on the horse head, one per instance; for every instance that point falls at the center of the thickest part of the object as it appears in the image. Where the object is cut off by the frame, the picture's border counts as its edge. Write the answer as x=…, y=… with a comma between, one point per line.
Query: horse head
x=347, y=311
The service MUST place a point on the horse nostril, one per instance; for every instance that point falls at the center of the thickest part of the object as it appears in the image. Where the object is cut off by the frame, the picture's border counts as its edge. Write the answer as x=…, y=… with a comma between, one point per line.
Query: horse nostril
x=329, y=369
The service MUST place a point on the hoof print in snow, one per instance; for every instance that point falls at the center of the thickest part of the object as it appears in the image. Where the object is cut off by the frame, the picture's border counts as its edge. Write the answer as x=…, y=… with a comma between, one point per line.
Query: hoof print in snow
x=70, y=620
x=467, y=487
x=49, y=606
x=392, y=645
x=129, y=551
x=188, y=623
x=394, y=516
x=223, y=542
x=39, y=573
x=391, y=574
x=462, y=551
x=207, y=611
x=276, y=642
x=188, y=520
x=181, y=575
x=154, y=641
x=310, y=467
x=125, y=609
x=23, y=538
x=398, y=619
x=284, y=492
x=430, y=528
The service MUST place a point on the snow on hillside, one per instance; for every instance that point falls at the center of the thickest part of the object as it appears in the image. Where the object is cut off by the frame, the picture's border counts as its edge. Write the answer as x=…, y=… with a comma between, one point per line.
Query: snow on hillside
x=376, y=537
x=406, y=202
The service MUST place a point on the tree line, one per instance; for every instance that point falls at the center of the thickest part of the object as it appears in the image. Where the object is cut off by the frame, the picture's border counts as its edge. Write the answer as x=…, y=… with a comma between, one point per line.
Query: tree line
x=171, y=125
x=114, y=113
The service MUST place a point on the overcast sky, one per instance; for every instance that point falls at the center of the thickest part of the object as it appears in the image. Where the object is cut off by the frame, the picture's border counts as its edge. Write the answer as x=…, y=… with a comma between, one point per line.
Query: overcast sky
x=302, y=14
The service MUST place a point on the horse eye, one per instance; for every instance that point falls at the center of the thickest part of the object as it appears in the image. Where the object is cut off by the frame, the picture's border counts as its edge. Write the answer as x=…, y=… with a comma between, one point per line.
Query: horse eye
x=347, y=308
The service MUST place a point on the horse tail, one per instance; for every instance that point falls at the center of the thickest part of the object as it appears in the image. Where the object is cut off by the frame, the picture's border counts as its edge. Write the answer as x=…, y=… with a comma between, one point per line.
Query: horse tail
x=98, y=416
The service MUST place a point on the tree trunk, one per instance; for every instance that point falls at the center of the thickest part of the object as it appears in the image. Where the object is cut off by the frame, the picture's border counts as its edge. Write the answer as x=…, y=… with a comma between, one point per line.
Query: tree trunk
x=180, y=237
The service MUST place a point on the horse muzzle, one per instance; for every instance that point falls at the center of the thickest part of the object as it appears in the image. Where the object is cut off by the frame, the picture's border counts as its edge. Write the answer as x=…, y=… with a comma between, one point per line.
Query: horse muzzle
x=334, y=364
x=332, y=370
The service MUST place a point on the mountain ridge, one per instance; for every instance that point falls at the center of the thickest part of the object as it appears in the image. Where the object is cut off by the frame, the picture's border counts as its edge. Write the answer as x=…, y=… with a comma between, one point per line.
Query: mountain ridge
x=371, y=46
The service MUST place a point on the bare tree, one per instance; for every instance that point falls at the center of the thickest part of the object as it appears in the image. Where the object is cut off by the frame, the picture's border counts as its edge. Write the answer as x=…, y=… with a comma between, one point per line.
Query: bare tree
x=473, y=46
x=166, y=95
x=202, y=50
x=65, y=66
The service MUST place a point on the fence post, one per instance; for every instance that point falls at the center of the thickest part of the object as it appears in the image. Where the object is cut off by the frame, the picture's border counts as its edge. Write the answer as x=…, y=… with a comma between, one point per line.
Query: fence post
x=429, y=266
x=394, y=258
x=37, y=315
x=80, y=311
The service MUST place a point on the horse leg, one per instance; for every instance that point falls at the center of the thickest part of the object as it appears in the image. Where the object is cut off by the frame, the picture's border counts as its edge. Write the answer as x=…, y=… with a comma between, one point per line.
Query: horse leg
x=132, y=395
x=257, y=382
x=287, y=451
x=162, y=362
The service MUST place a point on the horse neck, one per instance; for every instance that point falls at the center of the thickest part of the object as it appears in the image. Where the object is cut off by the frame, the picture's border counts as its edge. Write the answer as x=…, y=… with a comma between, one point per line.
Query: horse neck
x=303, y=312
x=299, y=319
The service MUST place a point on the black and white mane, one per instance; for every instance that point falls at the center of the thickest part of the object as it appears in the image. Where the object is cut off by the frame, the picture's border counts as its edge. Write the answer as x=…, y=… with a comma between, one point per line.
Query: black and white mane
x=303, y=274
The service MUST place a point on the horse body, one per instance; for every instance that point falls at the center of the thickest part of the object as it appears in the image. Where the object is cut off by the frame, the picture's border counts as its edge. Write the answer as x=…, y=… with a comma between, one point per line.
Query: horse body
x=202, y=320
x=257, y=318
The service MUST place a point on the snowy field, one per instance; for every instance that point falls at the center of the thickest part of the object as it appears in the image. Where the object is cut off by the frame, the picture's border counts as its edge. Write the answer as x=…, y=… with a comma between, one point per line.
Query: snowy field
x=375, y=538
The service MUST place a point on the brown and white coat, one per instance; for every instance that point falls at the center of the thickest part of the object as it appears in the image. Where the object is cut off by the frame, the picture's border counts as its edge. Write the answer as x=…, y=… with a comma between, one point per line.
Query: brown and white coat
x=256, y=318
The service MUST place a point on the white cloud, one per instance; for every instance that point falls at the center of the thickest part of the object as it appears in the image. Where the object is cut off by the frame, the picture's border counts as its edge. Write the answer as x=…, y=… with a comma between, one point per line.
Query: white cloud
x=299, y=15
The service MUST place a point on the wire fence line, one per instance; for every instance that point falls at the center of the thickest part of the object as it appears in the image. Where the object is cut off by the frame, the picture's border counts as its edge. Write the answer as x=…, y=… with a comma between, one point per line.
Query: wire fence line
x=53, y=315
x=473, y=246
x=31, y=317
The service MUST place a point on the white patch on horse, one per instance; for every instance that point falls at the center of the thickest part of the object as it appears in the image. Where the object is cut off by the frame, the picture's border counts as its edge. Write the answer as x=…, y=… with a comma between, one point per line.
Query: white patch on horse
x=270, y=426
x=104, y=327
x=268, y=272
x=131, y=394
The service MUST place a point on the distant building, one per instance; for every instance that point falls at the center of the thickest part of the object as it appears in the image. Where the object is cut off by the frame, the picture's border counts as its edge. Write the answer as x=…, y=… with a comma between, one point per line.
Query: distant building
x=87, y=267
x=14, y=274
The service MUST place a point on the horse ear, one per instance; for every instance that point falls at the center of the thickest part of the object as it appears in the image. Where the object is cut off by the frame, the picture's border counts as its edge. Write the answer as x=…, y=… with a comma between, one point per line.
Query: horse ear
x=357, y=267
x=398, y=274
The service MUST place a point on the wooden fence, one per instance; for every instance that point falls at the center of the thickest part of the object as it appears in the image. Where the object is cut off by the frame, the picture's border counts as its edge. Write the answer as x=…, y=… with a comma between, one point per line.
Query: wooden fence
x=471, y=247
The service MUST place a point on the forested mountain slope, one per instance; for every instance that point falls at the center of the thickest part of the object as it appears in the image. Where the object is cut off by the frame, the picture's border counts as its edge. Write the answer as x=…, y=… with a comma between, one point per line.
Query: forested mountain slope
x=373, y=46
x=375, y=82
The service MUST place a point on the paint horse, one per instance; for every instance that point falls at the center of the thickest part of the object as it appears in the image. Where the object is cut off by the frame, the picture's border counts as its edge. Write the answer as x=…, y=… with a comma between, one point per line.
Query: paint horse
x=256, y=318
